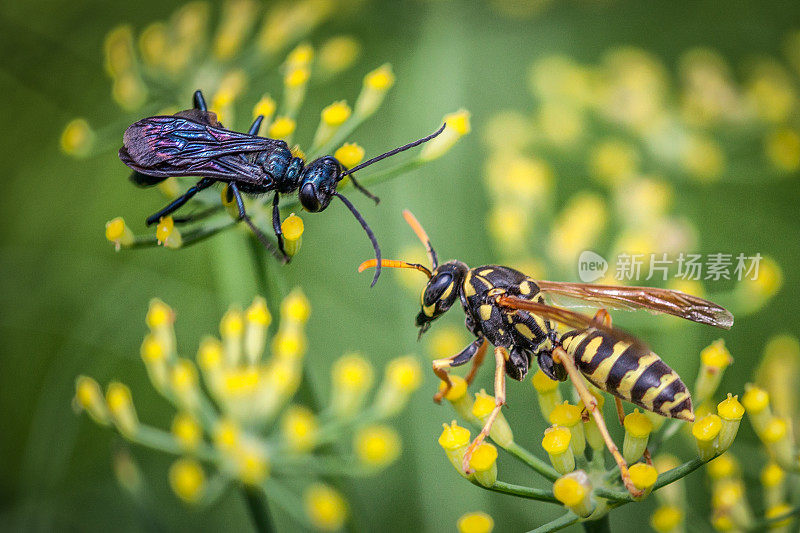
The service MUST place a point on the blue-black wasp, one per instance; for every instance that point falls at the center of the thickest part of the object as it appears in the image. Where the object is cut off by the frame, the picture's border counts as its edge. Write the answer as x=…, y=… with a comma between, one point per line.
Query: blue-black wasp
x=507, y=309
x=194, y=143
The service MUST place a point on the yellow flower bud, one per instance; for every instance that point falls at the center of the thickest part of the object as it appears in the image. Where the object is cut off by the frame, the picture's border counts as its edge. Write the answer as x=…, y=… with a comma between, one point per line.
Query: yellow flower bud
x=184, y=383
x=773, y=478
x=299, y=428
x=120, y=405
x=377, y=445
x=77, y=139
x=730, y=412
x=756, y=402
x=235, y=23
x=282, y=128
x=292, y=229
x=667, y=519
x=714, y=360
x=569, y=416
x=637, y=433
x=187, y=431
x=455, y=441
x=89, y=397
x=119, y=233
x=349, y=155
x=723, y=467
x=227, y=435
x=325, y=507
x=456, y=126
x=459, y=399
x=706, y=432
x=187, y=479
x=728, y=497
x=251, y=464
x=376, y=84
x=301, y=56
x=338, y=53
x=484, y=464
x=779, y=442
x=777, y=510
x=476, y=522
x=643, y=477
x=296, y=307
x=556, y=444
x=547, y=393
x=574, y=490
x=482, y=408
x=265, y=107
x=403, y=376
x=257, y=319
x=352, y=378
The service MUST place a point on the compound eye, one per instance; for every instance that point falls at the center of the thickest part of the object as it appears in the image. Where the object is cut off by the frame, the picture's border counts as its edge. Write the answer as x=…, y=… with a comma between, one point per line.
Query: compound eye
x=436, y=288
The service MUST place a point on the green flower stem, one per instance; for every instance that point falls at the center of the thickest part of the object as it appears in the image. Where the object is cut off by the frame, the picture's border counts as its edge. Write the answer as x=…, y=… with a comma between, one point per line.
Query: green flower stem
x=259, y=509
x=286, y=500
x=326, y=466
x=670, y=476
x=534, y=462
x=338, y=138
x=520, y=491
x=161, y=440
x=557, y=524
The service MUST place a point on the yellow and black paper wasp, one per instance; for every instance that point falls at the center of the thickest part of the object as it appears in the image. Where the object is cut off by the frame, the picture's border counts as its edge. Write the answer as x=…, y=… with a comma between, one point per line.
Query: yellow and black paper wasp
x=506, y=308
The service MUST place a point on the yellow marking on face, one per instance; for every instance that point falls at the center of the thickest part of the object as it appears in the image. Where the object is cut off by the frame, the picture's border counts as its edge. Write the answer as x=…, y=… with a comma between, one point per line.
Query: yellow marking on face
x=485, y=311
x=428, y=309
x=630, y=377
x=524, y=330
x=486, y=271
x=447, y=292
x=653, y=392
x=525, y=288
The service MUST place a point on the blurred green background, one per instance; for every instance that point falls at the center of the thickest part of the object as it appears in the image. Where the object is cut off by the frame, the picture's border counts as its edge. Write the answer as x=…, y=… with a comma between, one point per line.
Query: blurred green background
x=72, y=305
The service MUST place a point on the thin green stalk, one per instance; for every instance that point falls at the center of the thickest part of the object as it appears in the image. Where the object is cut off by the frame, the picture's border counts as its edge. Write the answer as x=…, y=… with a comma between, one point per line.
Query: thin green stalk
x=557, y=524
x=188, y=238
x=259, y=509
x=534, y=462
x=670, y=476
x=521, y=491
x=601, y=525
x=161, y=440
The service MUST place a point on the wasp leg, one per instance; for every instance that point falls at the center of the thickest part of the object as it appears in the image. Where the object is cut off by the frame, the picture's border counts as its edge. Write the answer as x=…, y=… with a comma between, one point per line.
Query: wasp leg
x=244, y=216
x=500, y=356
x=364, y=191
x=198, y=215
x=276, y=225
x=477, y=361
x=620, y=411
x=590, y=402
x=474, y=351
x=199, y=101
x=178, y=202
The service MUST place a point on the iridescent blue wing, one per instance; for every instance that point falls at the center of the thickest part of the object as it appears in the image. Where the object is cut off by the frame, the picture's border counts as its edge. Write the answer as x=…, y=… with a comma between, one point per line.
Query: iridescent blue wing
x=165, y=146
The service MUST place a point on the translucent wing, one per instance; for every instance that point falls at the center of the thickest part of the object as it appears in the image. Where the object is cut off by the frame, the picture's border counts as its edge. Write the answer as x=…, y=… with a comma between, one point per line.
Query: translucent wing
x=653, y=299
x=179, y=145
x=565, y=316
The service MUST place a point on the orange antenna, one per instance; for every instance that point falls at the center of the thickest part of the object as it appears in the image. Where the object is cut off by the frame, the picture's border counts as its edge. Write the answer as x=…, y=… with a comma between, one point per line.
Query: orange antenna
x=393, y=263
x=417, y=227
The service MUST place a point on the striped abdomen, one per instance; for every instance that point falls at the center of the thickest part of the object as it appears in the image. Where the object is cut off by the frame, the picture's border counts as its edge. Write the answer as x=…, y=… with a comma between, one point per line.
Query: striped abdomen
x=629, y=371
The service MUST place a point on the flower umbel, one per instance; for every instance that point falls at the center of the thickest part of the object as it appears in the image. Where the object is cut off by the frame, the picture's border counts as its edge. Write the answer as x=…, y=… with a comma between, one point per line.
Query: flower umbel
x=248, y=430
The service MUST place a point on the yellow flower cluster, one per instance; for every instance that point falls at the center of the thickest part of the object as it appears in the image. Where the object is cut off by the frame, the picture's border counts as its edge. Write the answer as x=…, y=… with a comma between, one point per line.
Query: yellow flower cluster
x=251, y=378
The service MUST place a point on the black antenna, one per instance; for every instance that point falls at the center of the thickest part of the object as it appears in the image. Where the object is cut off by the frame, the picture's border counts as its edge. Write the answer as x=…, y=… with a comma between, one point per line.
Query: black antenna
x=390, y=153
x=371, y=235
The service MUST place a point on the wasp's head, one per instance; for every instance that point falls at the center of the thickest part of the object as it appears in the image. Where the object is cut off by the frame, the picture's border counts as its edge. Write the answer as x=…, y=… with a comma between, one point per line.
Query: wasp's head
x=318, y=183
x=444, y=283
x=440, y=293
